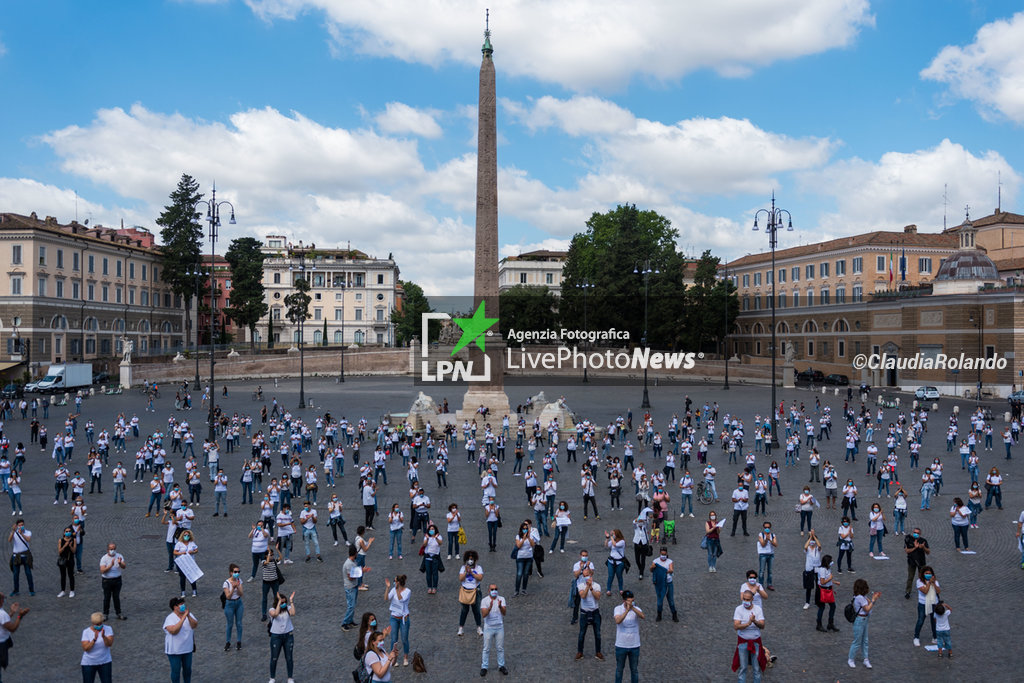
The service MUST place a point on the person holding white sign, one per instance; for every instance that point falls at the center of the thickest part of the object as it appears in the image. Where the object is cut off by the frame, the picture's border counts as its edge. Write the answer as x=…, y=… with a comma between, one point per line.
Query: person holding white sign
x=185, y=548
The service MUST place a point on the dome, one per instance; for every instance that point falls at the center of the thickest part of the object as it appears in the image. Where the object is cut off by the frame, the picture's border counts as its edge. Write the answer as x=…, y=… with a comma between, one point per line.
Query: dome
x=968, y=265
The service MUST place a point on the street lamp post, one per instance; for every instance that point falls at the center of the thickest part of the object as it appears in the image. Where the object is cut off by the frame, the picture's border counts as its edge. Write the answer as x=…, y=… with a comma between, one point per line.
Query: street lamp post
x=341, y=375
x=725, y=336
x=196, y=272
x=586, y=285
x=772, y=227
x=980, y=324
x=213, y=218
x=645, y=269
x=301, y=251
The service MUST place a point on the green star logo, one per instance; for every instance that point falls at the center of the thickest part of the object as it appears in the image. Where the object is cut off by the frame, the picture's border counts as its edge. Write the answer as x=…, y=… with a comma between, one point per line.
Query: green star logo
x=473, y=329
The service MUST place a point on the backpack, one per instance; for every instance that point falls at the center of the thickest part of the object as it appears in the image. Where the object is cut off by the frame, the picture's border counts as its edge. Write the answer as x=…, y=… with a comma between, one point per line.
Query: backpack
x=850, y=612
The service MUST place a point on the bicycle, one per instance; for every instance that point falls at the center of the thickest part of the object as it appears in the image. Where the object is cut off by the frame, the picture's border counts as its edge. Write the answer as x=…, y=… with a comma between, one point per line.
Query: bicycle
x=705, y=495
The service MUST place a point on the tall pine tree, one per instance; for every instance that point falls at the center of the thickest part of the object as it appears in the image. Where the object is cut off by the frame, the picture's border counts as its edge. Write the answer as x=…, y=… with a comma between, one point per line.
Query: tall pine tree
x=247, y=294
x=182, y=238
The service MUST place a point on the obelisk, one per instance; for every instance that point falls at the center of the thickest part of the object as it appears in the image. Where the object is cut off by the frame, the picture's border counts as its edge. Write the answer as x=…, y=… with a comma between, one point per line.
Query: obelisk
x=489, y=393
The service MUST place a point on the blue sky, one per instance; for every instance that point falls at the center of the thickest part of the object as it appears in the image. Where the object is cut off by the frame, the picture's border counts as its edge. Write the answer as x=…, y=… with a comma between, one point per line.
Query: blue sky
x=339, y=121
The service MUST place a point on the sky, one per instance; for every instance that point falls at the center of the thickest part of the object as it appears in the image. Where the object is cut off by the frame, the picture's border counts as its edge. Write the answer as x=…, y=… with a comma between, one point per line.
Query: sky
x=353, y=122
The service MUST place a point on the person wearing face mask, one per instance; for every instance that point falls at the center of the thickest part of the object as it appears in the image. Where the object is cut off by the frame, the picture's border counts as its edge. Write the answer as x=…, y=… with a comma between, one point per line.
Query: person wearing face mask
x=974, y=503
x=493, y=608
x=994, y=486
x=899, y=512
x=185, y=546
x=662, y=569
x=234, y=609
x=431, y=551
x=812, y=560
x=399, y=597
x=308, y=519
x=470, y=577
x=960, y=516
x=367, y=625
x=260, y=542
x=66, y=545
x=850, y=500
x=824, y=593
x=760, y=495
x=577, y=570
x=590, y=614
x=378, y=661
x=562, y=521
x=179, y=640
x=336, y=520
x=876, y=524
x=928, y=593
x=845, y=544
x=627, y=637
x=806, y=506
x=927, y=489
x=21, y=555
x=97, y=640
x=641, y=540
x=396, y=521
x=523, y=555
x=766, y=545
x=712, y=541
x=748, y=620
x=740, y=505
x=112, y=567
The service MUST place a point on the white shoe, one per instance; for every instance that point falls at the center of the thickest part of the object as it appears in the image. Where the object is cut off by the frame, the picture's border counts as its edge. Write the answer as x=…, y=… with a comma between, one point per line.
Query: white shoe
x=562, y=550
x=449, y=557
x=867, y=664
x=292, y=680
x=691, y=514
x=335, y=543
x=460, y=631
x=272, y=681
x=61, y=594
x=457, y=556
x=71, y=594
x=853, y=665
x=807, y=605
x=917, y=642
x=249, y=580
x=479, y=631
x=13, y=513
x=681, y=514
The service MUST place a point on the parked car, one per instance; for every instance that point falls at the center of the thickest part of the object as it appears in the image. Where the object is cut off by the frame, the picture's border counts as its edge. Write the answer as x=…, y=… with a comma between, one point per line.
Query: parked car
x=101, y=377
x=837, y=380
x=13, y=390
x=927, y=393
x=1016, y=397
x=810, y=375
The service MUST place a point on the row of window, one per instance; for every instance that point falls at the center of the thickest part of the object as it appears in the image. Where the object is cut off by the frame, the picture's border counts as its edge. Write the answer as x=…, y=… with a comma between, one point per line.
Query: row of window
x=16, y=259
x=549, y=278
x=824, y=299
x=924, y=266
x=325, y=280
x=14, y=346
x=318, y=314
x=59, y=291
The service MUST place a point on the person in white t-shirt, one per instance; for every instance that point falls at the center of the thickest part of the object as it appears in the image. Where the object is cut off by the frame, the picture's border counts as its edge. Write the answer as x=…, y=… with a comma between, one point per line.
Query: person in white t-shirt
x=179, y=639
x=748, y=620
x=493, y=608
x=941, y=611
x=627, y=637
x=399, y=597
x=282, y=633
x=96, y=643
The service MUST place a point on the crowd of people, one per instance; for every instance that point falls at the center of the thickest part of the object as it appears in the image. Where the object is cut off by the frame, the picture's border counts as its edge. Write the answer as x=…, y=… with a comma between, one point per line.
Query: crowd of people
x=292, y=500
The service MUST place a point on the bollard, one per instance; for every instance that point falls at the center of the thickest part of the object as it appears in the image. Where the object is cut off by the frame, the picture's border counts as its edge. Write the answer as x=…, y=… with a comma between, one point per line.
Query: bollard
x=956, y=410
x=935, y=407
x=1006, y=418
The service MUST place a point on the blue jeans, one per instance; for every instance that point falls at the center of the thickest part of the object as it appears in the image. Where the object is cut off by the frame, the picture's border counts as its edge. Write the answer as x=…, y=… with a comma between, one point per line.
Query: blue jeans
x=28, y=574
x=181, y=667
x=714, y=545
x=876, y=538
x=15, y=500
x=220, y=497
x=493, y=635
x=400, y=626
x=523, y=573
x=233, y=612
x=104, y=671
x=614, y=571
x=350, y=605
x=586, y=619
x=686, y=499
x=431, y=563
x=960, y=532
x=560, y=533
x=663, y=589
x=860, y=637
x=899, y=517
x=920, y=622
x=926, y=497
x=805, y=517
x=278, y=642
x=764, y=561
x=542, y=517
x=310, y=536
x=395, y=541
x=633, y=655
x=749, y=660
x=944, y=641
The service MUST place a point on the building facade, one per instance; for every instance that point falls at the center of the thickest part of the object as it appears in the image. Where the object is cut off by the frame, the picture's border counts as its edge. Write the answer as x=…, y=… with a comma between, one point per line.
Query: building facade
x=541, y=268
x=74, y=292
x=352, y=293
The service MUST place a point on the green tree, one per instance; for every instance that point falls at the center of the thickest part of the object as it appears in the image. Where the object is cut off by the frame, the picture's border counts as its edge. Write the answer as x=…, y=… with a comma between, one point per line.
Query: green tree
x=182, y=237
x=611, y=255
x=247, y=293
x=270, y=332
x=323, y=335
x=527, y=307
x=407, y=321
x=297, y=303
x=708, y=301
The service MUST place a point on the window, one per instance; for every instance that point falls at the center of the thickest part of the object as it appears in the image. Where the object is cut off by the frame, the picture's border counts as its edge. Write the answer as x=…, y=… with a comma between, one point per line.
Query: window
x=277, y=278
x=782, y=274
x=276, y=313
x=131, y=296
x=380, y=314
x=796, y=299
x=131, y=270
x=16, y=254
x=757, y=302
x=167, y=297
x=16, y=285
x=60, y=288
x=768, y=279
x=92, y=293
x=758, y=351
x=824, y=297
x=41, y=286
x=105, y=293
x=144, y=273
x=858, y=294
x=359, y=296
x=58, y=345
x=809, y=271
x=810, y=347
x=277, y=243
x=746, y=303
x=841, y=348
x=840, y=268
x=840, y=295
x=549, y=278
x=380, y=338
x=92, y=263
x=810, y=297
x=318, y=313
x=880, y=264
x=75, y=262
x=522, y=278
x=339, y=313
x=90, y=346
x=357, y=279
x=42, y=256
x=380, y=281
x=359, y=314
x=60, y=258
x=824, y=269
x=746, y=279
x=117, y=293
x=144, y=297
x=119, y=268
x=757, y=279
x=318, y=296
x=318, y=280
x=358, y=337
x=782, y=300
x=106, y=266
x=227, y=283
x=990, y=352
x=796, y=273
x=338, y=339
x=318, y=337
x=339, y=296
x=924, y=265
x=76, y=290
x=824, y=349
x=858, y=265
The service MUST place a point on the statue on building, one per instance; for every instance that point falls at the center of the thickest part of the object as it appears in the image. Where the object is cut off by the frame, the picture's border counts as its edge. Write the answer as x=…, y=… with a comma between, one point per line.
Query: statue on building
x=790, y=352
x=449, y=335
x=128, y=345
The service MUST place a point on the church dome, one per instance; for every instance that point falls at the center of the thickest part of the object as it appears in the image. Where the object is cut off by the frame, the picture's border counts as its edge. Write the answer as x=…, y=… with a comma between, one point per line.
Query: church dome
x=968, y=265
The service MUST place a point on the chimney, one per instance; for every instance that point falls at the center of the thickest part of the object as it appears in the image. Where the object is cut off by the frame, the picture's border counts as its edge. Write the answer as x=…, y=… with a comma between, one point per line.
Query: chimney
x=910, y=229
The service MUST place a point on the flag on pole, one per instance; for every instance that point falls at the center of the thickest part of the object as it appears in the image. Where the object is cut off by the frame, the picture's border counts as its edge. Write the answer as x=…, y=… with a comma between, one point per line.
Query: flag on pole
x=903, y=266
x=892, y=275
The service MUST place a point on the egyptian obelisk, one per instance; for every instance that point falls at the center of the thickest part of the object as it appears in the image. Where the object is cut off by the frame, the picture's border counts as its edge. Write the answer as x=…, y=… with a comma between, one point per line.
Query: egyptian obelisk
x=485, y=271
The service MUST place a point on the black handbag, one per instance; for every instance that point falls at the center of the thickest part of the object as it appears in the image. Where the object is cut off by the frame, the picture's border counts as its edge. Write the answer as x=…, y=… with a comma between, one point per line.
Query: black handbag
x=280, y=576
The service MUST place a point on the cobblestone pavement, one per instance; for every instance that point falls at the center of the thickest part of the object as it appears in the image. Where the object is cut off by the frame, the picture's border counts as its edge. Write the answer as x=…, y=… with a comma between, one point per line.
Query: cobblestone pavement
x=540, y=642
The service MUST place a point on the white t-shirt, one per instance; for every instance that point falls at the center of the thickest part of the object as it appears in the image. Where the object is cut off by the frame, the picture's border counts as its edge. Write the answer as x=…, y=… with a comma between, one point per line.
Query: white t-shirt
x=754, y=588
x=181, y=643
x=259, y=541
x=588, y=603
x=812, y=558
x=5, y=635
x=742, y=497
x=282, y=623
x=741, y=613
x=942, y=621
x=399, y=606
x=665, y=564
x=470, y=581
x=493, y=618
x=371, y=658
x=767, y=548
x=921, y=596
x=99, y=653
x=627, y=632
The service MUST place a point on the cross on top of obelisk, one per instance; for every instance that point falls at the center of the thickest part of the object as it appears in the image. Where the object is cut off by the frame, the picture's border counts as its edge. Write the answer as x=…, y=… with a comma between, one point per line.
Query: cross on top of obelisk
x=487, y=49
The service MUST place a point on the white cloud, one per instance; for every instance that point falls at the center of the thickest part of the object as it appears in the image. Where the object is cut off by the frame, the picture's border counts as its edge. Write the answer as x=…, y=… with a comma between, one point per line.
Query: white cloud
x=24, y=195
x=582, y=44
x=903, y=188
x=400, y=118
x=577, y=116
x=989, y=71
x=522, y=247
